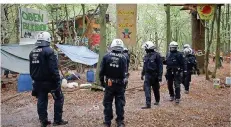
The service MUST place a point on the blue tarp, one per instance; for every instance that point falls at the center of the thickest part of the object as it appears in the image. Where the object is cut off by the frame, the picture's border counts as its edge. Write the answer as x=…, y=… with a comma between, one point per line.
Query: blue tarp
x=79, y=54
x=21, y=51
x=16, y=57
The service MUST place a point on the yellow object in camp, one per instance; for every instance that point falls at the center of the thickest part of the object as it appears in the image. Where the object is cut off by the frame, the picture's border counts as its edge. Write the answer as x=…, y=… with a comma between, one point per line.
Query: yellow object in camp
x=206, y=12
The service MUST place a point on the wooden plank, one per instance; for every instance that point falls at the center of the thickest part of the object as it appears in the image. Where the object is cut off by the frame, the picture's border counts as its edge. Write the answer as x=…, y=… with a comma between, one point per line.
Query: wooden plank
x=181, y=4
x=188, y=4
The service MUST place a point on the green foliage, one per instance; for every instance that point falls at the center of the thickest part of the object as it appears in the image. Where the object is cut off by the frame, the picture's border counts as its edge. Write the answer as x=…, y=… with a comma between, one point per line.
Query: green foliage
x=151, y=18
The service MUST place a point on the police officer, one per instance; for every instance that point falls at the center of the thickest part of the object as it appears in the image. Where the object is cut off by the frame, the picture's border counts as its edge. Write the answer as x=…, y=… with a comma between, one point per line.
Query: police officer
x=187, y=46
x=113, y=78
x=45, y=74
x=175, y=66
x=127, y=55
x=191, y=63
x=192, y=54
x=152, y=70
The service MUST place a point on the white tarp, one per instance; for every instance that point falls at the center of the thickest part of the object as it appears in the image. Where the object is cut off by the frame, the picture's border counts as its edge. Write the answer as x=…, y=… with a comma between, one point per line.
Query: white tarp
x=79, y=54
x=16, y=58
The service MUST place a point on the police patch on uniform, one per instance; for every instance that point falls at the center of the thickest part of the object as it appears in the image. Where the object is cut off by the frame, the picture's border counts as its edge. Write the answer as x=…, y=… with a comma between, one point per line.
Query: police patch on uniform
x=38, y=50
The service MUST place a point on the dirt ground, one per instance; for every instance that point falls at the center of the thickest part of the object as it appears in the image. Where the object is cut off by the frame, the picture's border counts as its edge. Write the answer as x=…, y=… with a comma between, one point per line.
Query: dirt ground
x=204, y=106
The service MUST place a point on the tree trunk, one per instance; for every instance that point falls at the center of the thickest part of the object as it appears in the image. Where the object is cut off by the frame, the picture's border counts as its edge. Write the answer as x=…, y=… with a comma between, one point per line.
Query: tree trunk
x=229, y=32
x=168, y=27
x=103, y=34
x=17, y=23
x=209, y=43
x=198, y=39
x=218, y=43
x=4, y=20
x=84, y=26
x=223, y=41
x=207, y=52
x=74, y=29
x=156, y=40
x=177, y=35
x=53, y=33
x=83, y=7
x=68, y=28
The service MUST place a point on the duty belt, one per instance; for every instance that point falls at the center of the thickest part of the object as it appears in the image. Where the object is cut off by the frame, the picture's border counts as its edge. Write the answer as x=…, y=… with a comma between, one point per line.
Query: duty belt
x=173, y=69
x=115, y=80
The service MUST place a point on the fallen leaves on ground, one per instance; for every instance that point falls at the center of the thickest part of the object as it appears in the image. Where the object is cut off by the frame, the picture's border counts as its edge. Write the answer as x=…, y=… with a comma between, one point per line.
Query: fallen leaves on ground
x=204, y=106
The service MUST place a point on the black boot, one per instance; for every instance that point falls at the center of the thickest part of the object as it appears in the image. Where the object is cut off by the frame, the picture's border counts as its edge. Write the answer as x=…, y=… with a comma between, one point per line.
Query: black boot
x=146, y=107
x=106, y=124
x=186, y=92
x=45, y=123
x=120, y=124
x=177, y=101
x=171, y=98
x=62, y=122
x=156, y=103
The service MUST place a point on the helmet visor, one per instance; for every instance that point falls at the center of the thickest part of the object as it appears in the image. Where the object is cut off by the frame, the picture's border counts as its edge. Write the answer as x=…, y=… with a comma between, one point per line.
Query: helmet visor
x=42, y=43
x=117, y=48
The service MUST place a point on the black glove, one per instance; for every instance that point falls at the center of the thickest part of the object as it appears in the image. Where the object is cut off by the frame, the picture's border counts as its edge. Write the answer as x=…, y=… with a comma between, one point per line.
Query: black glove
x=142, y=77
x=125, y=82
x=57, y=93
x=34, y=92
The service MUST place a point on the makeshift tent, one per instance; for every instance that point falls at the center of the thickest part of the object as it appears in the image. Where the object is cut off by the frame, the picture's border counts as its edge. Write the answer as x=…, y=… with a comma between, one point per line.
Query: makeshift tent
x=21, y=51
x=16, y=57
x=79, y=54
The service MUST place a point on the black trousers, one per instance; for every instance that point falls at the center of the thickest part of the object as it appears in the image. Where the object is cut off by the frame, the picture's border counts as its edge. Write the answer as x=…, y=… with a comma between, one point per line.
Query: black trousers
x=176, y=79
x=42, y=104
x=187, y=80
x=116, y=91
x=151, y=82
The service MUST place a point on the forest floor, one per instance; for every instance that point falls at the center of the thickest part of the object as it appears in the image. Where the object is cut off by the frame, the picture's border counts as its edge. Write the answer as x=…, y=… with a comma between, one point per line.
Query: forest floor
x=204, y=106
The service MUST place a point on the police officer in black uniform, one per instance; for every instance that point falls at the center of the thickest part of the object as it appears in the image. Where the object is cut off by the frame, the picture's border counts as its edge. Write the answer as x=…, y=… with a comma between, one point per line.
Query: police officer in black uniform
x=113, y=78
x=45, y=74
x=152, y=70
x=127, y=55
x=191, y=62
x=175, y=66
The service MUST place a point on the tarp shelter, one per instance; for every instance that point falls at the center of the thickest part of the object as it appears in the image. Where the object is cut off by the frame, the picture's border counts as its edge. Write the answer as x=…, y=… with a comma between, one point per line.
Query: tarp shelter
x=15, y=57
x=79, y=54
